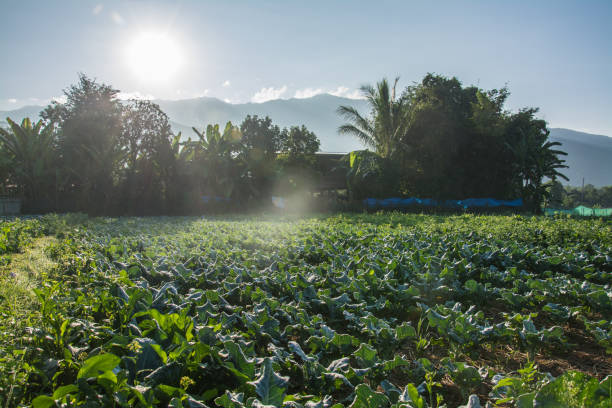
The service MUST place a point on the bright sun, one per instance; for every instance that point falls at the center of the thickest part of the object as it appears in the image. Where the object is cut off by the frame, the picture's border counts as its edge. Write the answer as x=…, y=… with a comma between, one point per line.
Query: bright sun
x=153, y=56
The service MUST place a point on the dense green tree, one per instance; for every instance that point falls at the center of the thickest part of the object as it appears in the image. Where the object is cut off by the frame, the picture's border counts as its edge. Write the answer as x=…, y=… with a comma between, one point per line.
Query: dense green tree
x=89, y=125
x=259, y=146
x=447, y=141
x=147, y=138
x=484, y=157
x=260, y=137
x=588, y=195
x=6, y=167
x=29, y=156
x=457, y=135
x=298, y=143
x=438, y=129
x=296, y=160
x=144, y=127
x=183, y=191
x=555, y=194
x=437, y=139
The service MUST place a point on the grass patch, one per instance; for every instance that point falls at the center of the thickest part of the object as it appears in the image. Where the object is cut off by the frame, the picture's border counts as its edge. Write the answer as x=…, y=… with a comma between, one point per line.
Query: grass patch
x=21, y=273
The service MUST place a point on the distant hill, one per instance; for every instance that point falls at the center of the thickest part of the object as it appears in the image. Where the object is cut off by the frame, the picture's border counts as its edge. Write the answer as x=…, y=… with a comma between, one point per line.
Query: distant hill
x=317, y=113
x=17, y=115
x=589, y=156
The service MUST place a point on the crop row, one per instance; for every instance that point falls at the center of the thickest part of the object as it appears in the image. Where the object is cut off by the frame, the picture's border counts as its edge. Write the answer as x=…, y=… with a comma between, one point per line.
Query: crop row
x=373, y=310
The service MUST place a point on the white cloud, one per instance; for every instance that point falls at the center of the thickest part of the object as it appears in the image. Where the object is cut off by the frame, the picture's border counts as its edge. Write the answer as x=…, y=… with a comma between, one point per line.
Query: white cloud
x=134, y=95
x=60, y=99
x=345, y=92
x=307, y=93
x=12, y=100
x=226, y=100
x=96, y=10
x=226, y=83
x=268, y=94
x=117, y=18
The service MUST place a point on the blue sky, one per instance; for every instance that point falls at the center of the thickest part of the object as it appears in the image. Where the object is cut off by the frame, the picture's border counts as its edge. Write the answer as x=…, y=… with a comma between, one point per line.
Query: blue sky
x=555, y=55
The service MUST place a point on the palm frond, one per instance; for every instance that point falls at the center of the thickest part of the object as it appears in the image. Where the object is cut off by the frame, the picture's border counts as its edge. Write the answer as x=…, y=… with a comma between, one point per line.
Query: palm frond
x=360, y=134
x=352, y=115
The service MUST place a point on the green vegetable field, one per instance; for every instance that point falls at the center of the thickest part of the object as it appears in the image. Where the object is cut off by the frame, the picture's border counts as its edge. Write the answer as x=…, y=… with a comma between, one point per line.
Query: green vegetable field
x=384, y=310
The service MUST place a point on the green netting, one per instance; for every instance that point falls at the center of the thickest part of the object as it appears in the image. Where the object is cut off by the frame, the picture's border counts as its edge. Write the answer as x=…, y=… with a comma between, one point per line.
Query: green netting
x=581, y=210
x=602, y=212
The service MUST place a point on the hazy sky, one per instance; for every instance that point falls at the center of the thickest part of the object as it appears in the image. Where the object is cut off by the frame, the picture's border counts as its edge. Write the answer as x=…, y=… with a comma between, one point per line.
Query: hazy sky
x=556, y=55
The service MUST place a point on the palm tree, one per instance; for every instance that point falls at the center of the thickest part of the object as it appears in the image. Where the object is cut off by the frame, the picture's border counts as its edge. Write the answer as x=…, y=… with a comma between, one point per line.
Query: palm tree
x=534, y=159
x=29, y=148
x=384, y=130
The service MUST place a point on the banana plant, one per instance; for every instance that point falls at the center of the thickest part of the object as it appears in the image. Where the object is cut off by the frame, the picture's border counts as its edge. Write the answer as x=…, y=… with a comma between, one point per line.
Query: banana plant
x=215, y=160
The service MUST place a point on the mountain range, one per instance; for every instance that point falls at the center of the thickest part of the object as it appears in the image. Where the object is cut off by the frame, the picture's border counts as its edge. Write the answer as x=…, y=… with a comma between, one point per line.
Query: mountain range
x=589, y=156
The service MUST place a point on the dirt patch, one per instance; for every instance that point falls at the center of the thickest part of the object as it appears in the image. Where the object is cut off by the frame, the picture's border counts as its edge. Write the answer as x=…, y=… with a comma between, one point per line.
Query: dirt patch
x=585, y=357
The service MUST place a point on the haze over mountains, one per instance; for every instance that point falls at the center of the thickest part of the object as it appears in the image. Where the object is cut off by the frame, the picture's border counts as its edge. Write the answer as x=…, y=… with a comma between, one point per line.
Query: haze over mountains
x=589, y=156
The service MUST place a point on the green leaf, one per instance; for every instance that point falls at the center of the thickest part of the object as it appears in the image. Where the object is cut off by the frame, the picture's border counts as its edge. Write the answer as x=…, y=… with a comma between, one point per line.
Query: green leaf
x=143, y=394
x=391, y=390
x=344, y=342
x=166, y=374
x=96, y=365
x=61, y=392
x=160, y=353
x=107, y=379
x=411, y=395
x=366, y=398
x=471, y=285
x=230, y=400
x=239, y=360
x=404, y=331
x=525, y=400
x=297, y=349
x=396, y=362
x=529, y=327
x=572, y=389
x=270, y=387
x=605, y=387
x=338, y=380
x=43, y=401
x=366, y=356
x=168, y=391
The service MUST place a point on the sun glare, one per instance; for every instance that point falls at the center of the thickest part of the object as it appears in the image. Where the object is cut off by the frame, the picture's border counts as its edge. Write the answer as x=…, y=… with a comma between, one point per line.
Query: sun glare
x=153, y=56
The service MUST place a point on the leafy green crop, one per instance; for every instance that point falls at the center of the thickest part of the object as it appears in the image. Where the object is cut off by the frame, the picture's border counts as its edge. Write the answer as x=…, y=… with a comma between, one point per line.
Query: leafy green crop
x=360, y=310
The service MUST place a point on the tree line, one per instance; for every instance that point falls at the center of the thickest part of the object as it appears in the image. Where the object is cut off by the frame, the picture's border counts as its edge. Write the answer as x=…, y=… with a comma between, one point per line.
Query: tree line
x=99, y=155
x=441, y=140
x=568, y=197
x=434, y=139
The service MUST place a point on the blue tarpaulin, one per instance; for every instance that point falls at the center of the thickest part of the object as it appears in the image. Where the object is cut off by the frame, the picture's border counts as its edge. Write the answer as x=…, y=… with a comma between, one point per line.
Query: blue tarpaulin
x=428, y=202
